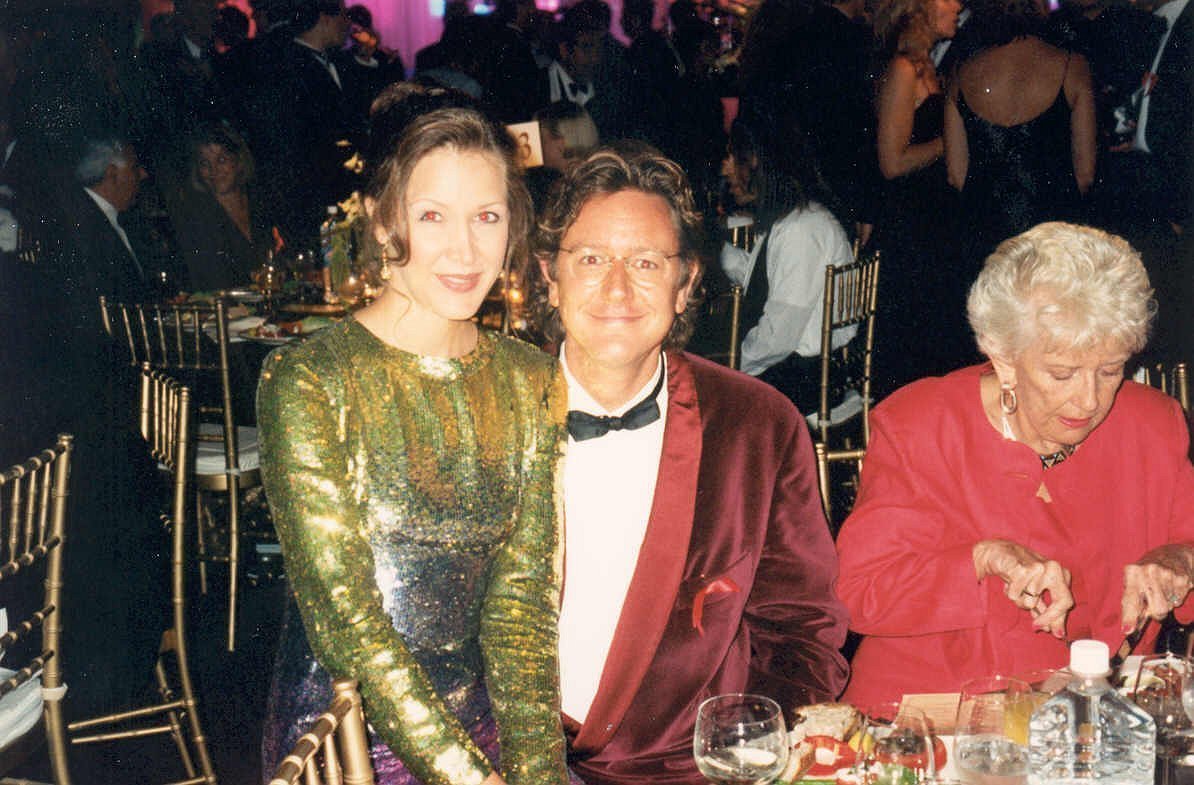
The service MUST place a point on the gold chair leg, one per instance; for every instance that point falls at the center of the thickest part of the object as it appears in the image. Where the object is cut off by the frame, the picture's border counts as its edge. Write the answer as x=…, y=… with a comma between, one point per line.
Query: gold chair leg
x=233, y=555
x=56, y=736
x=173, y=718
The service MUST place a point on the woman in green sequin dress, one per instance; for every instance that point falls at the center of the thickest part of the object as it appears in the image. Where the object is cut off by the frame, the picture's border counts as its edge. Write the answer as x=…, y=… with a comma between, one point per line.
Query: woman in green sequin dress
x=410, y=462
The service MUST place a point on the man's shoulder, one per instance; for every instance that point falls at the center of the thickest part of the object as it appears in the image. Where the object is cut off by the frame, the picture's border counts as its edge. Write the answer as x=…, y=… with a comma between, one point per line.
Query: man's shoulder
x=723, y=392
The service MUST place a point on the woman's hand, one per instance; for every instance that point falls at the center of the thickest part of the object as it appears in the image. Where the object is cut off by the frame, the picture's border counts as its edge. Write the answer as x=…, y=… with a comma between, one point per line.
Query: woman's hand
x=494, y=779
x=1156, y=584
x=1028, y=577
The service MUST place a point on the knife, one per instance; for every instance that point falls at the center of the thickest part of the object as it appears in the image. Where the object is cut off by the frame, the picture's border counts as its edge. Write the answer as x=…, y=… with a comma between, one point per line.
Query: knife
x=1129, y=643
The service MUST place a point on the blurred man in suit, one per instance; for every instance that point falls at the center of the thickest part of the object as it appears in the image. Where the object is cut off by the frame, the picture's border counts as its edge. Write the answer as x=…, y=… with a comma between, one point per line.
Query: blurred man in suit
x=298, y=113
x=697, y=557
x=67, y=376
x=1139, y=199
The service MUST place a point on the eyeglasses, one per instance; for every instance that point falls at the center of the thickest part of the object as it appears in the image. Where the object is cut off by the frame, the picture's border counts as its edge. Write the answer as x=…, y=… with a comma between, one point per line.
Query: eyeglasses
x=592, y=264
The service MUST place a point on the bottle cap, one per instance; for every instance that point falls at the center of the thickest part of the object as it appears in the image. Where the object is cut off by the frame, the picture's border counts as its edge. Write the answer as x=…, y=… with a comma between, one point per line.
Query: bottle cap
x=1090, y=658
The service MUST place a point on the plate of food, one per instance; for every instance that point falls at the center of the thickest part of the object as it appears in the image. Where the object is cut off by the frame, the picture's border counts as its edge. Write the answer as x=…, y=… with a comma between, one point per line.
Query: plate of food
x=827, y=741
x=280, y=332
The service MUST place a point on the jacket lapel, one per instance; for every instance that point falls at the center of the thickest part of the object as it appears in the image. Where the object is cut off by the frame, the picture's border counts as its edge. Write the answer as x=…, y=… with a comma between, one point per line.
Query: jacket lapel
x=652, y=594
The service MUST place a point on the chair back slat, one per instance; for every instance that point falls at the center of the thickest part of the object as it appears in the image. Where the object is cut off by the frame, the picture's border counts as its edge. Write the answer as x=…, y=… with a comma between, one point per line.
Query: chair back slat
x=1171, y=380
x=32, y=537
x=850, y=299
x=335, y=750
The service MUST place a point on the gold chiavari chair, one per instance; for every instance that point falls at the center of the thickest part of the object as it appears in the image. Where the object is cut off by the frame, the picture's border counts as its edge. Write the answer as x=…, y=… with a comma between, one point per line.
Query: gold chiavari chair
x=165, y=421
x=32, y=532
x=724, y=311
x=845, y=489
x=335, y=751
x=851, y=298
x=1173, y=380
x=192, y=340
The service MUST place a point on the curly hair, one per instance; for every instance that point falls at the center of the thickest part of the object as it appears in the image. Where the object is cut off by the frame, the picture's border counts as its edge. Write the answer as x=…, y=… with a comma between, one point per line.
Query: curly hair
x=623, y=166
x=463, y=130
x=1072, y=286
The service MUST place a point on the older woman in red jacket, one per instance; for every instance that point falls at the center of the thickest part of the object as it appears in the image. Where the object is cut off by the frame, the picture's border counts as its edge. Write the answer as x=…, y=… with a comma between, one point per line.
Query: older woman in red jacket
x=1010, y=506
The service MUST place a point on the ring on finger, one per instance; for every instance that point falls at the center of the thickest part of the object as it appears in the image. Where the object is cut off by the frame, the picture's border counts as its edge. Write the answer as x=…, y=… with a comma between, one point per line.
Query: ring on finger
x=1174, y=600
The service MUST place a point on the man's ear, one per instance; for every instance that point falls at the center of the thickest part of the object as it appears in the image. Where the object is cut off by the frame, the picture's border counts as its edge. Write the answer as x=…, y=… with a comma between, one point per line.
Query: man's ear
x=684, y=293
x=553, y=288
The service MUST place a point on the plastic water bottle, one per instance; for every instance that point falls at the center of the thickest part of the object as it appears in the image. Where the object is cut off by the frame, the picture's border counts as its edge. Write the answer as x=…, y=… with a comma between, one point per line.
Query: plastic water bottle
x=1088, y=732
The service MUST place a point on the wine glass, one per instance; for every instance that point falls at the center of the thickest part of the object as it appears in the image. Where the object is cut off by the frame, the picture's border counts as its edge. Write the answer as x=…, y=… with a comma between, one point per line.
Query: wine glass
x=1162, y=685
x=740, y=740
x=991, y=732
x=896, y=745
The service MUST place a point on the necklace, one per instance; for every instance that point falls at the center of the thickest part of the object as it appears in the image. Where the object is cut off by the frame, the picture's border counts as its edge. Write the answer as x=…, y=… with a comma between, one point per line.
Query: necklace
x=1047, y=461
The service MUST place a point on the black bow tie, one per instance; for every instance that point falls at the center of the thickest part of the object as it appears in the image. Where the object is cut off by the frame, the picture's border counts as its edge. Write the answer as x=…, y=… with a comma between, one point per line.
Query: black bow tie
x=583, y=426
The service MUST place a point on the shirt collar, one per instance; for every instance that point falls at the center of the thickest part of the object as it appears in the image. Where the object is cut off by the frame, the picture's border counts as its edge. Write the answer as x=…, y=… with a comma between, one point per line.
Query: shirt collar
x=109, y=210
x=192, y=47
x=318, y=52
x=1172, y=10
x=580, y=399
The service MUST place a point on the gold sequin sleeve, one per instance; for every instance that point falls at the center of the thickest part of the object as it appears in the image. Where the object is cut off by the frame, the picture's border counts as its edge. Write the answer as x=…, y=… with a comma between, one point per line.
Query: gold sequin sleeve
x=519, y=626
x=306, y=465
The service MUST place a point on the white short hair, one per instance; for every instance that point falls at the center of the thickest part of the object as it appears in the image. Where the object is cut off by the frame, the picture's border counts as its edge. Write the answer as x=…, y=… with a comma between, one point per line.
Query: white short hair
x=1074, y=286
x=97, y=155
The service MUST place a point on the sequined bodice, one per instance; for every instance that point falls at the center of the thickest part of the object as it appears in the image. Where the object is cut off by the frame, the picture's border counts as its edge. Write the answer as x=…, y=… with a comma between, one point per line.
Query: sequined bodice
x=414, y=499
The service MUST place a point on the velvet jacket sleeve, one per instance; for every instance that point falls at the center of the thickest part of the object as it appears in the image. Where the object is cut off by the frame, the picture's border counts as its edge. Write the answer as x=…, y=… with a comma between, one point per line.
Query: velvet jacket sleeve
x=797, y=624
x=306, y=465
x=519, y=626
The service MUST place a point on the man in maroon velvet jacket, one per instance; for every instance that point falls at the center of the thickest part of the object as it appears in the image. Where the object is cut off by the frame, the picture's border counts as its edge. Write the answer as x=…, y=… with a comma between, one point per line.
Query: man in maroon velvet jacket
x=697, y=558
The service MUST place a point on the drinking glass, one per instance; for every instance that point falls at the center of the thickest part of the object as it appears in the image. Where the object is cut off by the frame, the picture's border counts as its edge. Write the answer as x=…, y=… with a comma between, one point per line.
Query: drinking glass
x=740, y=740
x=1162, y=686
x=991, y=732
x=896, y=746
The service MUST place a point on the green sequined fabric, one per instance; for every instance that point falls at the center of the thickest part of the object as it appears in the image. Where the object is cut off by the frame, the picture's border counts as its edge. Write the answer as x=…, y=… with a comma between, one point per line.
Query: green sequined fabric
x=417, y=504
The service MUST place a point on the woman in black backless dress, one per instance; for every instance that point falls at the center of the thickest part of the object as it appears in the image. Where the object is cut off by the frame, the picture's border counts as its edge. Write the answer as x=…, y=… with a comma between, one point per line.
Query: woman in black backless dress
x=1019, y=130
x=922, y=327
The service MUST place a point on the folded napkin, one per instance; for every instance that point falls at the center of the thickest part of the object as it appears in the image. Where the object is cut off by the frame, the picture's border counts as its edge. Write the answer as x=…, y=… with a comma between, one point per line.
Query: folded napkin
x=19, y=709
x=237, y=326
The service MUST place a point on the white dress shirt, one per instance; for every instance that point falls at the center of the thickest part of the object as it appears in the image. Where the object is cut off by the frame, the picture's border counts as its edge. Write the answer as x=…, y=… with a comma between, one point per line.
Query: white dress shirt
x=1169, y=12
x=609, y=487
x=799, y=247
x=110, y=212
x=563, y=87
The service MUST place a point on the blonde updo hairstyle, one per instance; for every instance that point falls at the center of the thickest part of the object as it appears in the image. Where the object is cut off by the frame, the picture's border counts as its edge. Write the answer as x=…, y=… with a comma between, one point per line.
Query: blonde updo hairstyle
x=905, y=27
x=1075, y=287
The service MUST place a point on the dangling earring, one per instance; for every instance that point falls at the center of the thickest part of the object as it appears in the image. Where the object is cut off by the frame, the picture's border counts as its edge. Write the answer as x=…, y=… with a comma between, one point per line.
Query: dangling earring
x=1007, y=399
x=386, y=258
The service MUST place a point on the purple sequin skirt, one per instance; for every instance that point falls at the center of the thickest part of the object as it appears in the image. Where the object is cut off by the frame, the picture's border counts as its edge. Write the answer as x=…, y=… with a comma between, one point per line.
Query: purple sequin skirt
x=301, y=690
